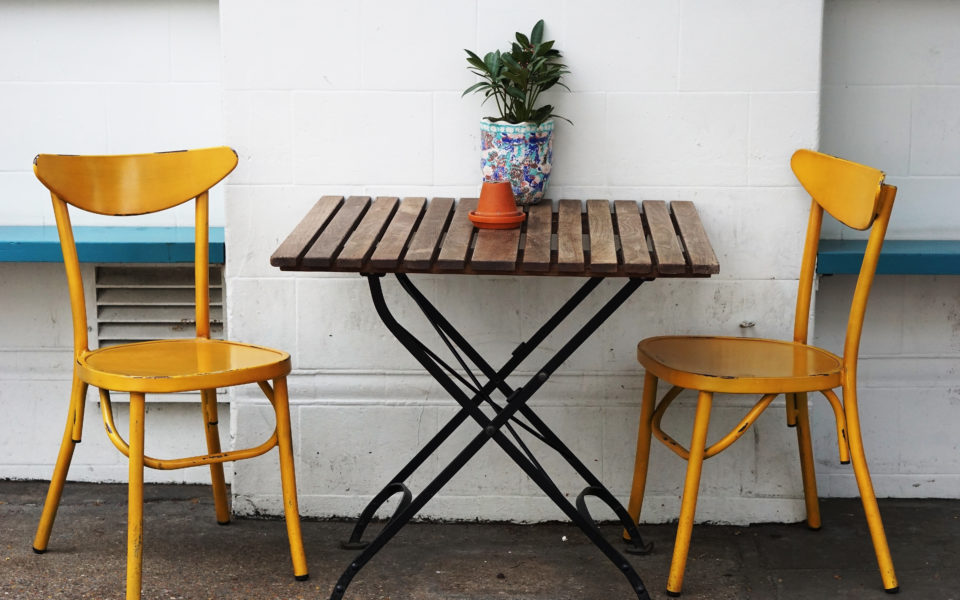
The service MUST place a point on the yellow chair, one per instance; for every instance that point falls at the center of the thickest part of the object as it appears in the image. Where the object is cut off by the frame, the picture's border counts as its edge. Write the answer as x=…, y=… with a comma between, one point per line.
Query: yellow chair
x=138, y=184
x=856, y=196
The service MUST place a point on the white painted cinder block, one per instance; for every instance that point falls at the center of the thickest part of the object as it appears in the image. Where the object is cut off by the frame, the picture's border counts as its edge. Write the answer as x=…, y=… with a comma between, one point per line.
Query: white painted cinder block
x=263, y=117
x=299, y=45
x=395, y=32
x=936, y=126
x=701, y=102
x=777, y=129
x=750, y=46
x=66, y=88
x=878, y=42
x=676, y=139
x=869, y=125
x=363, y=138
x=619, y=46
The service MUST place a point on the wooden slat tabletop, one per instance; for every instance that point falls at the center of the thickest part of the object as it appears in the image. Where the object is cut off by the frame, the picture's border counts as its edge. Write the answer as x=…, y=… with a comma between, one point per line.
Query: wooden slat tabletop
x=569, y=237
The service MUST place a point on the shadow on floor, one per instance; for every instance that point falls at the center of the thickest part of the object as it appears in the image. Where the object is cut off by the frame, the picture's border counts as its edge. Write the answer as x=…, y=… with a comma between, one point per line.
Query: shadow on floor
x=188, y=556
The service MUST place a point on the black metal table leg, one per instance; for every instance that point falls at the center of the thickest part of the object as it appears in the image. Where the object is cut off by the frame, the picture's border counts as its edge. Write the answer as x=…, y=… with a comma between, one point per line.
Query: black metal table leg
x=496, y=381
x=491, y=428
x=594, y=486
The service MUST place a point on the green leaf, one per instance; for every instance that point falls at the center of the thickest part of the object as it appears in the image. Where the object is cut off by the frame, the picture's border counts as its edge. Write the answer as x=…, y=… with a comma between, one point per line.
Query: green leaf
x=536, y=36
x=524, y=40
x=492, y=62
x=542, y=49
x=474, y=88
x=516, y=93
x=476, y=62
x=511, y=62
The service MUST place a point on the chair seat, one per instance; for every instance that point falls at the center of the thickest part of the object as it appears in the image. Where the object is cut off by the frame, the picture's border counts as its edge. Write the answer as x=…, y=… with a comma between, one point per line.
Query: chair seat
x=180, y=365
x=739, y=365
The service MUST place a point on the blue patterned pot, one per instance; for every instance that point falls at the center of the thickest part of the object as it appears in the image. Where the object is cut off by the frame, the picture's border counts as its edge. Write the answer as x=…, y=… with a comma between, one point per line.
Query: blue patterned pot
x=520, y=153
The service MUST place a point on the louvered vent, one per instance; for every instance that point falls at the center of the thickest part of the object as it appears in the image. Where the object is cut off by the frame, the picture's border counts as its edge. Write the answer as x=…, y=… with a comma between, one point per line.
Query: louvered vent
x=137, y=303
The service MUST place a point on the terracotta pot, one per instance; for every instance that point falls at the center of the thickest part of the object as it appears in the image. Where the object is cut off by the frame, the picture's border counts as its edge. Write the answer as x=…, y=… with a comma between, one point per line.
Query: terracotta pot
x=497, y=207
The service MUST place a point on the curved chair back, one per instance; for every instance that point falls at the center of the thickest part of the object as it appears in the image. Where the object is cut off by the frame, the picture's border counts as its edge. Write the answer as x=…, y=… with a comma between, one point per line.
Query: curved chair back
x=133, y=184
x=856, y=196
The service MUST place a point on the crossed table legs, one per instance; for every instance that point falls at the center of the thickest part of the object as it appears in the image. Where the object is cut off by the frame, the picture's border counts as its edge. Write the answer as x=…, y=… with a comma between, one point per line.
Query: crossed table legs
x=505, y=417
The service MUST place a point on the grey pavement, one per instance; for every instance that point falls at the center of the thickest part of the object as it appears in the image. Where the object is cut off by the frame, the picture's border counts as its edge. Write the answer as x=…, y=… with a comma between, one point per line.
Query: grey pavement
x=188, y=556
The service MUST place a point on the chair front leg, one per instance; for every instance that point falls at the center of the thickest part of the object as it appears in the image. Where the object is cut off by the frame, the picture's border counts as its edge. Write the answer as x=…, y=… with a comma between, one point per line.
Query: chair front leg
x=288, y=478
x=643, y=449
x=135, y=498
x=807, y=468
x=691, y=487
x=867, y=495
x=217, y=481
x=78, y=395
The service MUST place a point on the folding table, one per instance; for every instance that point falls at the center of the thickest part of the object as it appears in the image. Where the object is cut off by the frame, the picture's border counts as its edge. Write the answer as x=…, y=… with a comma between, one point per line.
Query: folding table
x=596, y=239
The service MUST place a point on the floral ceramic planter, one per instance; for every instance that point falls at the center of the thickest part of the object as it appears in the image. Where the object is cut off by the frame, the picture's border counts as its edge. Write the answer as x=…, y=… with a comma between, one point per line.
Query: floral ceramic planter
x=520, y=153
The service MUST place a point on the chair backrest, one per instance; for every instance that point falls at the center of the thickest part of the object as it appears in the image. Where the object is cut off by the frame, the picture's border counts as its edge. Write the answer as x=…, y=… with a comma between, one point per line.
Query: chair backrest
x=133, y=184
x=856, y=196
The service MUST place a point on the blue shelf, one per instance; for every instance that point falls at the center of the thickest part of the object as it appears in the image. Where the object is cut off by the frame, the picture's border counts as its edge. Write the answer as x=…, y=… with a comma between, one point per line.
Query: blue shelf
x=108, y=244
x=898, y=257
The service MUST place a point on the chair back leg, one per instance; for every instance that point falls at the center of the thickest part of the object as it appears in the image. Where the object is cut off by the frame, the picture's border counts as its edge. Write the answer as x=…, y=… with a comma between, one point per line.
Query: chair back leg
x=217, y=481
x=691, y=487
x=71, y=436
x=807, y=468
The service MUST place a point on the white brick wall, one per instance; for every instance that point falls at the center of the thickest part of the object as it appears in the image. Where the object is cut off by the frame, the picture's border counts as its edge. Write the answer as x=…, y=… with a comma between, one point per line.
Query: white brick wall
x=365, y=98
x=700, y=101
x=891, y=95
x=104, y=78
x=91, y=78
x=891, y=99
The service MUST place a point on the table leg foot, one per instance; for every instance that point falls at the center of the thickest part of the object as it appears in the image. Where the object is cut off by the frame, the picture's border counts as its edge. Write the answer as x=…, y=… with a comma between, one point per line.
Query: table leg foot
x=355, y=542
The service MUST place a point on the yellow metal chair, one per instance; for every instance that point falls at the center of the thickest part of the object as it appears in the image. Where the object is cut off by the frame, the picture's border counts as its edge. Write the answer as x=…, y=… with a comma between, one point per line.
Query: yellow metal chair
x=138, y=184
x=855, y=195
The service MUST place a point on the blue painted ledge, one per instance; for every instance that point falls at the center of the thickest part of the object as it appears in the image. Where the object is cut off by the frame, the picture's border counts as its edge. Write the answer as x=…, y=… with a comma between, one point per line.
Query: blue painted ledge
x=108, y=244
x=898, y=257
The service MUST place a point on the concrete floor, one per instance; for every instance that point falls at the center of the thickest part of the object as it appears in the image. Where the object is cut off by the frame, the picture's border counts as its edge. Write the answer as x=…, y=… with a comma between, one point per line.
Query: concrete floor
x=188, y=556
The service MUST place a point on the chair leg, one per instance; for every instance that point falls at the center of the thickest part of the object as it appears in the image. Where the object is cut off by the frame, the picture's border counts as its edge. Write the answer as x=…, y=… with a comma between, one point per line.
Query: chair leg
x=288, y=479
x=78, y=395
x=807, y=468
x=867, y=495
x=643, y=449
x=691, y=487
x=135, y=498
x=218, y=483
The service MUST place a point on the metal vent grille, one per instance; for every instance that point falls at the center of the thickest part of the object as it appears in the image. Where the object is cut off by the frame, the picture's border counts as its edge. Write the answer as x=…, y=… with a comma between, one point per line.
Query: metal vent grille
x=138, y=303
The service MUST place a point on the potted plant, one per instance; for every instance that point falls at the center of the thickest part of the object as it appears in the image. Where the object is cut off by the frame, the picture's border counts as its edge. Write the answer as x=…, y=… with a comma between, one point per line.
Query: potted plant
x=516, y=144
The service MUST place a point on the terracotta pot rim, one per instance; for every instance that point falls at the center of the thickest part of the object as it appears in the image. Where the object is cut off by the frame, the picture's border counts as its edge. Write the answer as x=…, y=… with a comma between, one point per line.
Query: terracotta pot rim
x=497, y=220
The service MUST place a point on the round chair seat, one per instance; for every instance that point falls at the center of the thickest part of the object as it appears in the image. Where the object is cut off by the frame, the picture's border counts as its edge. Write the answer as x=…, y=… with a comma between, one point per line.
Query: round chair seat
x=180, y=365
x=739, y=365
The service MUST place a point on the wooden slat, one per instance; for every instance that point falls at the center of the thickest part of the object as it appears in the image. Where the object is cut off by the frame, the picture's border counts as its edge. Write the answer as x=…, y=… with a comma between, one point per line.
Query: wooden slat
x=666, y=247
x=536, y=246
x=603, y=248
x=496, y=250
x=335, y=234
x=391, y=246
x=569, y=236
x=362, y=241
x=703, y=260
x=456, y=244
x=425, y=243
x=289, y=253
x=633, y=239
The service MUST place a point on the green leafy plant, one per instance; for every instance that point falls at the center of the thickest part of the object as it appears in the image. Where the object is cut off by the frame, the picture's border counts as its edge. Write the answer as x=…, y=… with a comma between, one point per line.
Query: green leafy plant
x=515, y=79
